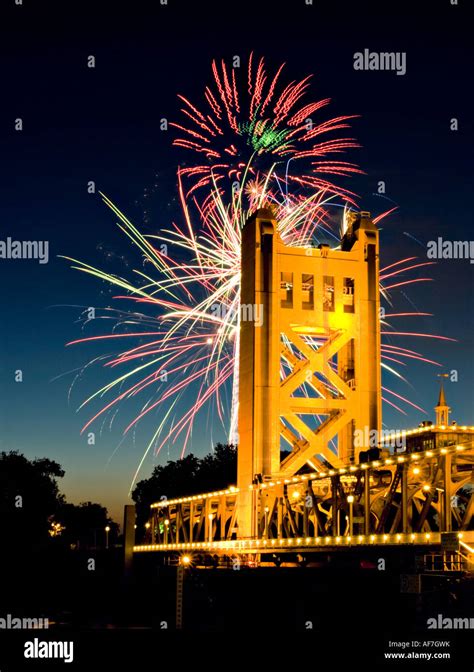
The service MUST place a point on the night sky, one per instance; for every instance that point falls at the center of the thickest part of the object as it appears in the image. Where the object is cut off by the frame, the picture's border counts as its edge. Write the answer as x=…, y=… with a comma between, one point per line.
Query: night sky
x=102, y=124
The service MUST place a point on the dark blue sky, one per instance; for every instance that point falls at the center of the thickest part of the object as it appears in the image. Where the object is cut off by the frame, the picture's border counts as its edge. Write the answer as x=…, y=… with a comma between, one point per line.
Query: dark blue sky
x=101, y=124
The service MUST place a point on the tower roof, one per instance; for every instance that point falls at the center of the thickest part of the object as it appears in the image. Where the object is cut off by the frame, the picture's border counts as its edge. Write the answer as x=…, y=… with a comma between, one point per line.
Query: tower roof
x=442, y=398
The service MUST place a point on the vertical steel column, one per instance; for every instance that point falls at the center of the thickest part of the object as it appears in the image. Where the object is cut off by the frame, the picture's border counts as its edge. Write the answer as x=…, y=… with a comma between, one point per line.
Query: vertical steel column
x=367, y=501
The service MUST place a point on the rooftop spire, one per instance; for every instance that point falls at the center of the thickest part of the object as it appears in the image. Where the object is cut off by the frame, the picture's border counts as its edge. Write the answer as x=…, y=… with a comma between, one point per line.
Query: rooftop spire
x=442, y=409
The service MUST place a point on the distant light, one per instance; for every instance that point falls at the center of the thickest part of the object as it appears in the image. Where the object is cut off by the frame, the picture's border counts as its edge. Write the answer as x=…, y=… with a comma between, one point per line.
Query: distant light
x=295, y=494
x=185, y=560
x=416, y=470
x=426, y=488
x=107, y=529
x=147, y=525
x=209, y=341
x=350, y=499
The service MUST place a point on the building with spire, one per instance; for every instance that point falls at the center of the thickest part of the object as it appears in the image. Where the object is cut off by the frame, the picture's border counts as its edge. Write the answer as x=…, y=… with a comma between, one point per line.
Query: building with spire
x=442, y=409
x=429, y=435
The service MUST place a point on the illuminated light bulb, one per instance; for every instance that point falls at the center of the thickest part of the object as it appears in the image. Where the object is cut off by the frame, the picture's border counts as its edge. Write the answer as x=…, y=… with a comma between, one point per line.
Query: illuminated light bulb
x=401, y=459
x=328, y=539
x=412, y=537
x=426, y=488
x=416, y=470
x=185, y=560
x=361, y=537
x=338, y=539
x=295, y=494
x=385, y=537
x=427, y=535
x=399, y=536
x=444, y=451
x=460, y=535
x=429, y=453
x=209, y=341
x=350, y=499
x=372, y=537
x=349, y=539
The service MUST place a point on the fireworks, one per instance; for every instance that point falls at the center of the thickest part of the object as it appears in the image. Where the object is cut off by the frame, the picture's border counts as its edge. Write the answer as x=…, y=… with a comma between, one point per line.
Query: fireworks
x=238, y=130
x=190, y=353
x=184, y=325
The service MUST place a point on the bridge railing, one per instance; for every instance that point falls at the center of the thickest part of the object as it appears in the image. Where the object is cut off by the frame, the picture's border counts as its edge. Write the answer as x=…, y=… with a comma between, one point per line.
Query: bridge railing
x=401, y=497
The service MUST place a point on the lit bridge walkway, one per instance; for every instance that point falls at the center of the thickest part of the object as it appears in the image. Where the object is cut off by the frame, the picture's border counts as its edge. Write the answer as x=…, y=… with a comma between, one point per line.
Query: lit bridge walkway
x=404, y=499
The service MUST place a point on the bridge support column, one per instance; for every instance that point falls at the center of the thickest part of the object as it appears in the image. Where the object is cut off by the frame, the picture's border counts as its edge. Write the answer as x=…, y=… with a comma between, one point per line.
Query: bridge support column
x=446, y=518
x=367, y=501
x=404, y=498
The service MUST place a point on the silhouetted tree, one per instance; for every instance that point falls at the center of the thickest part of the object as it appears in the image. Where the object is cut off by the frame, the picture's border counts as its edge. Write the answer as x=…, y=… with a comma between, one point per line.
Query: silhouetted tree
x=84, y=525
x=29, y=496
x=187, y=476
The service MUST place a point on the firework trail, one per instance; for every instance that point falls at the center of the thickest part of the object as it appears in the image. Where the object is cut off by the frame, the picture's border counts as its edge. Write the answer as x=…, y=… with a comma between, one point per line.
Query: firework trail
x=260, y=145
x=190, y=328
x=250, y=121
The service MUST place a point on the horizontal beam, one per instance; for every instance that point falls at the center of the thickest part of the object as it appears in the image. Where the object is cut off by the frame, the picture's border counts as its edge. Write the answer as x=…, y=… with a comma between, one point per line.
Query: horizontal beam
x=245, y=546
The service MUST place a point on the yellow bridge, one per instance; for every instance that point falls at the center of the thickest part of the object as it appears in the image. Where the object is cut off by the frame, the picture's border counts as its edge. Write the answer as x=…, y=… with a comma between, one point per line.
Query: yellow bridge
x=310, y=381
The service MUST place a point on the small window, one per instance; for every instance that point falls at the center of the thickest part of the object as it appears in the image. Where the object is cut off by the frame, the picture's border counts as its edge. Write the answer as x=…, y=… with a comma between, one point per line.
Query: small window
x=307, y=291
x=328, y=293
x=286, y=290
x=348, y=295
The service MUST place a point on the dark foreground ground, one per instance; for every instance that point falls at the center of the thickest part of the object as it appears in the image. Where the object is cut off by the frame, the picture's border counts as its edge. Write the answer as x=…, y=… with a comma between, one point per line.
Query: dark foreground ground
x=345, y=613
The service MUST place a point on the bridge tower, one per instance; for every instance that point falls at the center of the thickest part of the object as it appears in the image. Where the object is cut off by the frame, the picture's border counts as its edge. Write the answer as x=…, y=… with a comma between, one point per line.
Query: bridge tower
x=310, y=369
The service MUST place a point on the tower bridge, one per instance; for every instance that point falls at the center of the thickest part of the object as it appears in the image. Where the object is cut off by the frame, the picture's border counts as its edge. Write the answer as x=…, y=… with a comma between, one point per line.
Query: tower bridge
x=310, y=382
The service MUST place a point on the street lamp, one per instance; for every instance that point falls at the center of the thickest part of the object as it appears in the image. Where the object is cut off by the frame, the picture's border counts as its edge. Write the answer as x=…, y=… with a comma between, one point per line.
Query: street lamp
x=107, y=530
x=350, y=500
